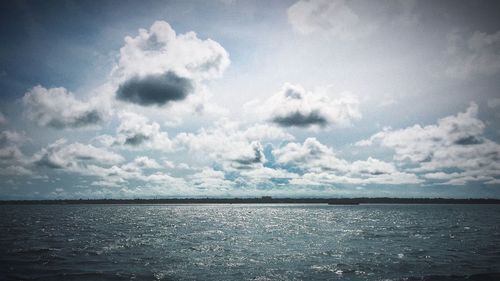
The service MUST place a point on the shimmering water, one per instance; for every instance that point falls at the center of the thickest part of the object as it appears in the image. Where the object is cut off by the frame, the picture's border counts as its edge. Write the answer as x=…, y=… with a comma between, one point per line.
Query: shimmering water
x=250, y=242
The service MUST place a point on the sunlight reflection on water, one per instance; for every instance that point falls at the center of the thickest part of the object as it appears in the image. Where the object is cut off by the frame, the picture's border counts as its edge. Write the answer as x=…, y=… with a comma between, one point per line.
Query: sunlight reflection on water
x=248, y=242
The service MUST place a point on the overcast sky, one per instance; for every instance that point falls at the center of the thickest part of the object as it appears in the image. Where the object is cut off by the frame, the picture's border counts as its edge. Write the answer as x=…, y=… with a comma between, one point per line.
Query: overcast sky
x=128, y=99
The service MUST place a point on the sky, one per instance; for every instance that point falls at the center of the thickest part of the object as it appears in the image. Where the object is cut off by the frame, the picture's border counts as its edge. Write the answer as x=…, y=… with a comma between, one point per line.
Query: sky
x=230, y=98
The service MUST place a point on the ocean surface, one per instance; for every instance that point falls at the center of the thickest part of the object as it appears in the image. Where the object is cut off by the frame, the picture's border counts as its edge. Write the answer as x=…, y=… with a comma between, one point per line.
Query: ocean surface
x=250, y=242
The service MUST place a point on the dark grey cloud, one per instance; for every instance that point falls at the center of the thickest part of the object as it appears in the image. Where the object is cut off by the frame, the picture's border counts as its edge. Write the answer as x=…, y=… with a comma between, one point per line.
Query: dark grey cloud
x=136, y=140
x=469, y=140
x=299, y=119
x=155, y=89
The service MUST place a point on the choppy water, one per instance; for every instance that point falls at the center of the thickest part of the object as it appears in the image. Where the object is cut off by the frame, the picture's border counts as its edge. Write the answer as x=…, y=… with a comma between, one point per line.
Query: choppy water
x=250, y=242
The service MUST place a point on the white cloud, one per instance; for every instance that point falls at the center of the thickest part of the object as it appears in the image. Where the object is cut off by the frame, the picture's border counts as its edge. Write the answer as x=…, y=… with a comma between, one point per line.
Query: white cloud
x=145, y=162
x=210, y=179
x=8, y=137
x=10, y=147
x=310, y=155
x=74, y=156
x=326, y=178
x=331, y=17
x=322, y=167
x=142, y=169
x=230, y=146
x=58, y=108
x=10, y=153
x=15, y=170
x=264, y=174
x=476, y=55
x=159, y=66
x=293, y=106
x=137, y=132
x=456, y=142
x=417, y=143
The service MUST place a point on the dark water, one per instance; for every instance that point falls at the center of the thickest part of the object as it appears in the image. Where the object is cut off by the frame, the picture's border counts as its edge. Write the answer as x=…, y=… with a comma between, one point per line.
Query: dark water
x=250, y=242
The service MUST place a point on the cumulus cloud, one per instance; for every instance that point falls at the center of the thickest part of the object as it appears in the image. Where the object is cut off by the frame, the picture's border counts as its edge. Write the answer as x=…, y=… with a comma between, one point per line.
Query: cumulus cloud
x=8, y=137
x=292, y=106
x=138, y=132
x=110, y=169
x=145, y=162
x=10, y=148
x=478, y=54
x=310, y=155
x=73, y=156
x=228, y=144
x=454, y=149
x=58, y=108
x=249, y=156
x=210, y=179
x=13, y=162
x=334, y=18
x=10, y=153
x=15, y=170
x=418, y=143
x=267, y=175
x=122, y=174
x=159, y=66
x=320, y=166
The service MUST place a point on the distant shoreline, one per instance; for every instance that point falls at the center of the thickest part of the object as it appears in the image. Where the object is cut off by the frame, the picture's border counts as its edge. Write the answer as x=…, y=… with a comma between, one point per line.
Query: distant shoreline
x=260, y=200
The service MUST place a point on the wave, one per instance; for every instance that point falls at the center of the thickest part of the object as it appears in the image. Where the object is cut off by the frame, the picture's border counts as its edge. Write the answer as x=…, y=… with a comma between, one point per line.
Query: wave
x=490, y=276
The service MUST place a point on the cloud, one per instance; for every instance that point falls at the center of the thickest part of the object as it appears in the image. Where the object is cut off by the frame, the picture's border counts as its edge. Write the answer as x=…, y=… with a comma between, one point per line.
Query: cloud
x=15, y=170
x=138, y=132
x=8, y=137
x=210, y=179
x=494, y=102
x=159, y=66
x=475, y=55
x=310, y=155
x=300, y=119
x=250, y=156
x=418, y=143
x=266, y=175
x=9, y=154
x=320, y=166
x=454, y=149
x=229, y=145
x=58, y=108
x=121, y=175
x=10, y=147
x=334, y=18
x=145, y=162
x=142, y=169
x=74, y=156
x=12, y=160
x=292, y=106
x=155, y=89
x=109, y=168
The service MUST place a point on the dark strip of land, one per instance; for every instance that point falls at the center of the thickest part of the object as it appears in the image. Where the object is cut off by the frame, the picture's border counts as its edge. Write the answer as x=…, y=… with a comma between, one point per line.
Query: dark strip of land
x=261, y=200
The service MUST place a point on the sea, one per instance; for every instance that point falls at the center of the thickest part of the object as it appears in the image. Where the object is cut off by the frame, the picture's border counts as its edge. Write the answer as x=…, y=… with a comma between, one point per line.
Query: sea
x=250, y=242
